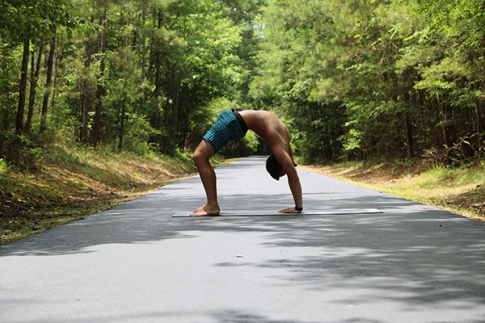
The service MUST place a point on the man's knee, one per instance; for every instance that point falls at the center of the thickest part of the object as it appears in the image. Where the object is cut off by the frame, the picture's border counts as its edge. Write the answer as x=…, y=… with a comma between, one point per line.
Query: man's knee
x=198, y=156
x=203, y=152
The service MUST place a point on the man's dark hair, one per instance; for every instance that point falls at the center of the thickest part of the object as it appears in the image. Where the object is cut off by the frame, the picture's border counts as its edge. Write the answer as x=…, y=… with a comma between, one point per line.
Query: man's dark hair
x=273, y=167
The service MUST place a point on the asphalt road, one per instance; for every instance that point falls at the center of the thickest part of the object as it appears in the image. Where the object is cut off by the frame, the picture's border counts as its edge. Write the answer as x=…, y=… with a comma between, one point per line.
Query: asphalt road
x=137, y=263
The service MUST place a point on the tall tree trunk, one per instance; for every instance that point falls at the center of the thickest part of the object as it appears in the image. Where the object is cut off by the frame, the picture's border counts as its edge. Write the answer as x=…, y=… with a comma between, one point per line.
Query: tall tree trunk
x=99, y=86
x=54, y=75
x=22, y=88
x=444, y=117
x=175, y=121
x=156, y=62
x=479, y=128
x=408, y=126
x=83, y=134
x=122, y=125
x=35, y=68
x=444, y=131
x=48, y=86
x=166, y=125
x=143, y=63
x=409, y=137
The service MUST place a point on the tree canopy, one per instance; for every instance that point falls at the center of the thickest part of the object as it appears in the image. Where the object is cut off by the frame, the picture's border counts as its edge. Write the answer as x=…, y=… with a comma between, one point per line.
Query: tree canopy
x=394, y=79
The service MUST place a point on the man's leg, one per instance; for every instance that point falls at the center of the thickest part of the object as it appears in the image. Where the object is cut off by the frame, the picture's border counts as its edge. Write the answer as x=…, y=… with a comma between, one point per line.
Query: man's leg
x=201, y=158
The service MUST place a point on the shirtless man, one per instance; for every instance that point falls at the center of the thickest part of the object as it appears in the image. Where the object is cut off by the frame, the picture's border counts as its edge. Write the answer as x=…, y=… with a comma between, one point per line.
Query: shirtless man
x=232, y=126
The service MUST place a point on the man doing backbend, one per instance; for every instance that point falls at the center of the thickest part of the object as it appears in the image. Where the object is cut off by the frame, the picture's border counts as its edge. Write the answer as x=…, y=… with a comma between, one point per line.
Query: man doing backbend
x=232, y=126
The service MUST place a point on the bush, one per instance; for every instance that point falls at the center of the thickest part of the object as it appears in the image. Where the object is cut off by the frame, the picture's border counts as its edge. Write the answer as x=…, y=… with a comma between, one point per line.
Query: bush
x=138, y=132
x=19, y=151
x=4, y=166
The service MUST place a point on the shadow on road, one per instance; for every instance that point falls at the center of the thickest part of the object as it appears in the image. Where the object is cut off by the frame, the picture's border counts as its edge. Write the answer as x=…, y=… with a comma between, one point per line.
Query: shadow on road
x=440, y=256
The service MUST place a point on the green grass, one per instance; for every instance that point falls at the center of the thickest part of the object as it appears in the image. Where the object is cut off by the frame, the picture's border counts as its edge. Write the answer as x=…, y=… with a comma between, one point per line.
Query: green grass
x=74, y=182
x=459, y=190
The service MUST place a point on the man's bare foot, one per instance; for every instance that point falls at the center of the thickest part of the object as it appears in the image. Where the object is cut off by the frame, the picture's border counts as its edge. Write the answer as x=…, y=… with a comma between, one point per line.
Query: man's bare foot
x=290, y=210
x=205, y=211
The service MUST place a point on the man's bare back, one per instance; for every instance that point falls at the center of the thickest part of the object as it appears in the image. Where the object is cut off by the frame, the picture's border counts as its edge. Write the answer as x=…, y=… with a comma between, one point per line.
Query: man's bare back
x=267, y=126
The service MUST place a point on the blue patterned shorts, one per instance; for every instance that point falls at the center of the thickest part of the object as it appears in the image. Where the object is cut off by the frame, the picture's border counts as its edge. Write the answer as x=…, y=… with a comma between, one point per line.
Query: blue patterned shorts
x=230, y=126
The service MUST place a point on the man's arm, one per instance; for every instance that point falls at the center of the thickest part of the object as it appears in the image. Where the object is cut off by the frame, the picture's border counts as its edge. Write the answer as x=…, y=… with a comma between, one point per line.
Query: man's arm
x=291, y=155
x=288, y=166
x=295, y=186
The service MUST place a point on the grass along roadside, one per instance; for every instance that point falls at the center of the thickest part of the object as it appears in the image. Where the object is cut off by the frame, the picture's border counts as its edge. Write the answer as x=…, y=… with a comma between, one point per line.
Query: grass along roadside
x=74, y=182
x=459, y=190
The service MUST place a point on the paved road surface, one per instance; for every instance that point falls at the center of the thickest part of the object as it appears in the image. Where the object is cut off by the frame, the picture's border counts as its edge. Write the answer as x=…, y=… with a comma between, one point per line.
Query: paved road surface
x=137, y=263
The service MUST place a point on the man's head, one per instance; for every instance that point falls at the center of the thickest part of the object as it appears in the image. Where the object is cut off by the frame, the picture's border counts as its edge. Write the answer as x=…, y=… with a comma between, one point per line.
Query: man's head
x=273, y=167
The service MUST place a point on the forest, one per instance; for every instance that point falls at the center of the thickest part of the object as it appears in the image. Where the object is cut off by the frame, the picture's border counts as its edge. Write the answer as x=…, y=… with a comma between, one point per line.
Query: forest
x=352, y=79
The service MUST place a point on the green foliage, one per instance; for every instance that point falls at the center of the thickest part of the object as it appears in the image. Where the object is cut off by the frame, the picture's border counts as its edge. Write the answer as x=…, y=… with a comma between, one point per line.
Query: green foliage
x=36, y=20
x=385, y=79
x=19, y=151
x=140, y=88
x=402, y=74
x=4, y=166
x=138, y=134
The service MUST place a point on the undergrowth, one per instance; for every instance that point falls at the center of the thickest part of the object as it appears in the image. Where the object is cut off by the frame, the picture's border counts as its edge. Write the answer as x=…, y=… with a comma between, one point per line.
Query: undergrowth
x=459, y=190
x=73, y=182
